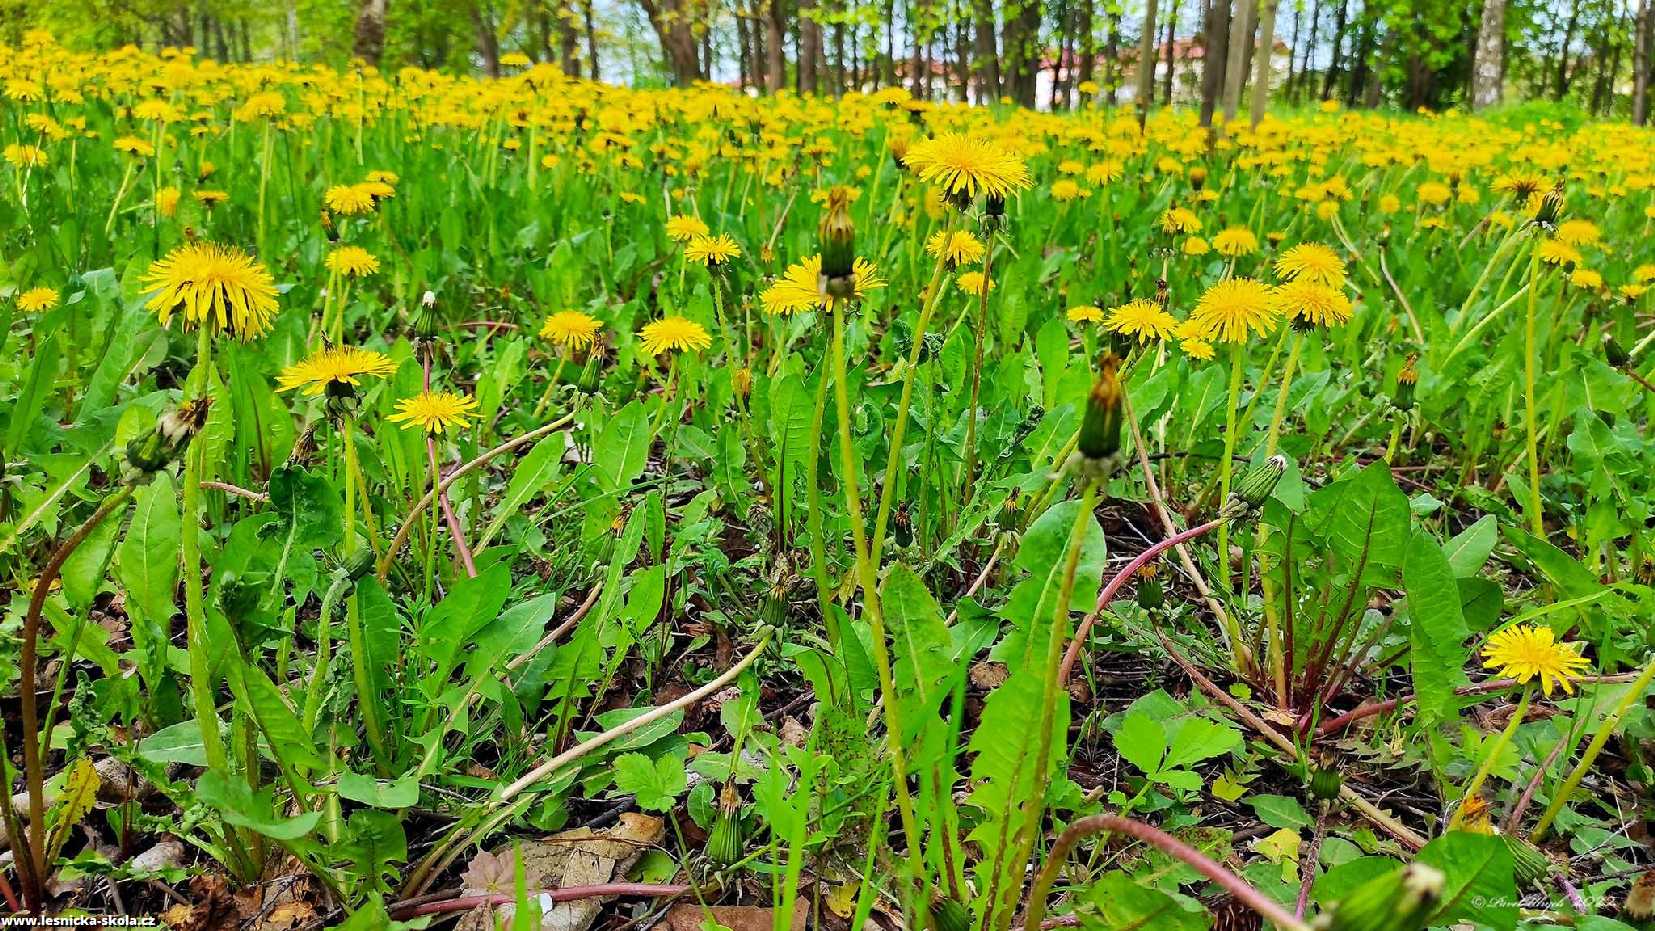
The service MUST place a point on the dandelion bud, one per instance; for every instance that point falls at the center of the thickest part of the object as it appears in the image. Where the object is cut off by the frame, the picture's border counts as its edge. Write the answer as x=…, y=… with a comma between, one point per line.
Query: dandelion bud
x=1529, y=863
x=1325, y=782
x=1613, y=353
x=1549, y=209
x=1406, y=380
x=1254, y=488
x=152, y=452
x=1151, y=593
x=949, y=914
x=1100, y=429
x=837, y=238
x=994, y=212
x=1401, y=900
x=357, y=565
x=427, y=323
x=724, y=841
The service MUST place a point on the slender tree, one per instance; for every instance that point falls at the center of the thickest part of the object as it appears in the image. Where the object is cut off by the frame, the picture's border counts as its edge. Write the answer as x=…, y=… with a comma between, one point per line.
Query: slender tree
x=1640, y=62
x=1144, y=91
x=1488, y=65
x=1263, y=61
x=369, y=42
x=1214, y=58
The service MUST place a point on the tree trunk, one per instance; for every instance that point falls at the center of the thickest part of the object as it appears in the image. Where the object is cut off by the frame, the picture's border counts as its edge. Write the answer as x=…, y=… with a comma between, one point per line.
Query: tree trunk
x=775, y=64
x=1144, y=88
x=1264, y=61
x=568, y=41
x=810, y=47
x=1338, y=48
x=671, y=21
x=1293, y=51
x=1359, y=67
x=1640, y=62
x=369, y=43
x=962, y=49
x=1214, y=59
x=1111, y=57
x=488, y=41
x=1021, y=33
x=988, y=56
x=591, y=40
x=1062, y=62
x=1563, y=52
x=1487, y=64
x=1310, y=47
x=1172, y=61
x=1235, y=64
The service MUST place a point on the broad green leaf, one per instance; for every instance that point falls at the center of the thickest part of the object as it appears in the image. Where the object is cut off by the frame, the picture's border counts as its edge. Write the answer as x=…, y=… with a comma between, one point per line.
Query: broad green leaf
x=83, y=572
x=1436, y=628
x=31, y=400
x=1280, y=811
x=1119, y=902
x=653, y=783
x=288, y=740
x=622, y=448
x=1142, y=741
x=308, y=505
x=1471, y=547
x=148, y=563
x=921, y=662
x=1478, y=883
x=1194, y=739
x=449, y=625
x=239, y=805
x=529, y=477
x=396, y=793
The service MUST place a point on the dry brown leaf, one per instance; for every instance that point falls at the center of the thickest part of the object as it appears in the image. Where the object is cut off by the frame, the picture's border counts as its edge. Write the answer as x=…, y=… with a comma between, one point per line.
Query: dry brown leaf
x=689, y=916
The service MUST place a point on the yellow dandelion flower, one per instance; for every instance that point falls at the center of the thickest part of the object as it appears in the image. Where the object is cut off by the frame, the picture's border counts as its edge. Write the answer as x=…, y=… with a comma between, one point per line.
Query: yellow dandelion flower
x=166, y=201
x=685, y=228
x=1644, y=274
x=332, y=369
x=35, y=300
x=1433, y=193
x=216, y=286
x=435, y=411
x=352, y=262
x=712, y=250
x=965, y=167
x=1524, y=651
x=1389, y=203
x=1180, y=220
x=673, y=334
x=210, y=198
x=956, y=248
x=1086, y=313
x=348, y=200
x=1234, y=309
x=801, y=287
x=132, y=145
x=1586, y=279
x=1578, y=232
x=1195, y=245
x=1558, y=252
x=1065, y=190
x=25, y=156
x=1196, y=348
x=1235, y=242
x=571, y=329
x=1312, y=262
x=1143, y=319
x=1312, y=304
x=974, y=283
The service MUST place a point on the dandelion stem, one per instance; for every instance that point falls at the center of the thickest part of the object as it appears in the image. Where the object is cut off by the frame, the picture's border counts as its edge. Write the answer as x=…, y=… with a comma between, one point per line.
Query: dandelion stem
x=1237, y=351
x=195, y=617
x=1536, y=518
x=1491, y=757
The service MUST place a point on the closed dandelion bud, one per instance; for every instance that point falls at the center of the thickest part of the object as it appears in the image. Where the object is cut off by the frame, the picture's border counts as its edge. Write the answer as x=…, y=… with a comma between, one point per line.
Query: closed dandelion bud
x=152, y=452
x=994, y=212
x=1546, y=214
x=1401, y=900
x=1325, y=783
x=837, y=238
x=1100, y=429
x=427, y=323
x=1151, y=594
x=1528, y=863
x=358, y=564
x=724, y=840
x=949, y=914
x=1406, y=381
x=1613, y=353
x=1254, y=488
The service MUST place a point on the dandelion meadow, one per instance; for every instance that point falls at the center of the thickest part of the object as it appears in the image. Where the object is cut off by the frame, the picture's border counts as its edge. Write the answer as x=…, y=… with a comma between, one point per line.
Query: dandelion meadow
x=515, y=500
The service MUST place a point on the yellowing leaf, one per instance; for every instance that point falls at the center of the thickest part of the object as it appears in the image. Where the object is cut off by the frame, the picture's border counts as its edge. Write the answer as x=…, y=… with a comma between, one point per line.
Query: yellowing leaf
x=80, y=792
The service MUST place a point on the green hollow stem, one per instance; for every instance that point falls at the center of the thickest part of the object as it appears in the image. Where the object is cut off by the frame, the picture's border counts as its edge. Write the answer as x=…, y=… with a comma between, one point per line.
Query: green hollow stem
x=1288, y=371
x=1590, y=755
x=195, y=617
x=1536, y=516
x=813, y=516
x=977, y=377
x=893, y=461
x=353, y=612
x=1491, y=757
x=867, y=578
x=1237, y=351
